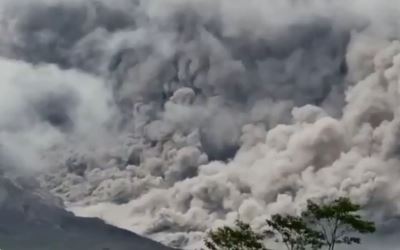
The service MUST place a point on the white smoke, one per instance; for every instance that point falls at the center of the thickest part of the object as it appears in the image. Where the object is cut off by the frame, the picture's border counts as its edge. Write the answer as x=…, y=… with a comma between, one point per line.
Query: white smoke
x=278, y=170
x=169, y=117
x=40, y=103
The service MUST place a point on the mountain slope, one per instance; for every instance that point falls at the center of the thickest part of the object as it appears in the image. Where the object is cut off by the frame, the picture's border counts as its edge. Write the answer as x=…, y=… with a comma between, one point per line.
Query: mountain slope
x=30, y=221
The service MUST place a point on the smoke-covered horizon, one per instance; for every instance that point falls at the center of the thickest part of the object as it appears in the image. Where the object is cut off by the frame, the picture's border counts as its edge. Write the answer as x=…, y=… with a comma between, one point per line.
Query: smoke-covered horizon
x=169, y=117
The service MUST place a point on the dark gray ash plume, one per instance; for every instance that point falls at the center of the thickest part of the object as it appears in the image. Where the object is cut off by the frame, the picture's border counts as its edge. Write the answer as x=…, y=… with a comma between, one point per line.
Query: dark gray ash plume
x=169, y=117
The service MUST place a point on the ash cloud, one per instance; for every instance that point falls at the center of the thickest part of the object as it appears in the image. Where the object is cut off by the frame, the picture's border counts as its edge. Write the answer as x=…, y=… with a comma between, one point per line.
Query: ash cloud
x=169, y=117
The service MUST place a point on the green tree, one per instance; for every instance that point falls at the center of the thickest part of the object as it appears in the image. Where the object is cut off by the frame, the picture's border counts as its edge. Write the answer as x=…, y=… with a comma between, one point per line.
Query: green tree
x=337, y=222
x=241, y=237
x=325, y=225
x=293, y=232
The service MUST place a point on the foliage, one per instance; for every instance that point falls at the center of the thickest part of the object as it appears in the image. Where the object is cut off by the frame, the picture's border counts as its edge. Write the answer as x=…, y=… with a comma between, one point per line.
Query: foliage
x=293, y=232
x=242, y=237
x=330, y=224
x=337, y=222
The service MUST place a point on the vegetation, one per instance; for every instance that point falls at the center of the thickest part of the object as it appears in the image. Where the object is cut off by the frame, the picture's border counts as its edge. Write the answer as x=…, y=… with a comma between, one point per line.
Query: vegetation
x=293, y=232
x=337, y=222
x=320, y=226
x=241, y=237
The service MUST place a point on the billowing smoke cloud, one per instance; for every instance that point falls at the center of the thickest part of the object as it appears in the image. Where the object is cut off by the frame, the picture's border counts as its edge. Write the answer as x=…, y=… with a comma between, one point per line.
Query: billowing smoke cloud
x=168, y=117
x=42, y=107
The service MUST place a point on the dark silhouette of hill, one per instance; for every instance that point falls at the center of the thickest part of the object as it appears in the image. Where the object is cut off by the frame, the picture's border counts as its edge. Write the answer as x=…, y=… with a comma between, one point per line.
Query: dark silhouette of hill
x=30, y=221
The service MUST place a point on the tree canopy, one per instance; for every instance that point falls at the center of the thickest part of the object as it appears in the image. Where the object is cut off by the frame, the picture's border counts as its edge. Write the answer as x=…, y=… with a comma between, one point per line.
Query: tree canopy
x=240, y=237
x=319, y=226
x=337, y=222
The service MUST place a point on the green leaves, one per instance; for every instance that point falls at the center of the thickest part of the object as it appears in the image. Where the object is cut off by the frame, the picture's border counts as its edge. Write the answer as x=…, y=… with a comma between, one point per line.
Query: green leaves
x=292, y=231
x=242, y=237
x=337, y=222
x=329, y=224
